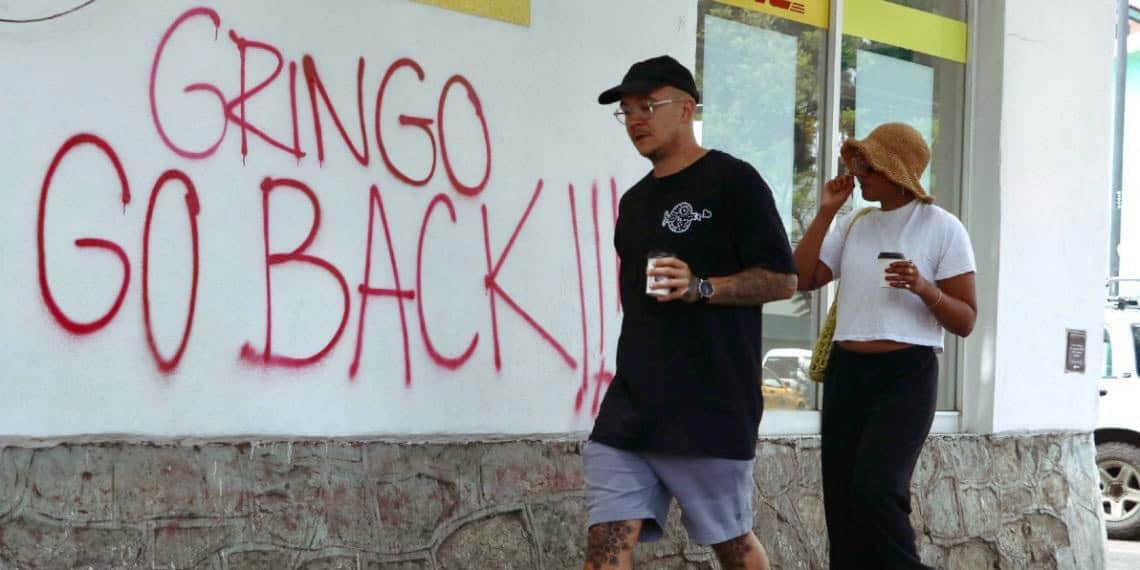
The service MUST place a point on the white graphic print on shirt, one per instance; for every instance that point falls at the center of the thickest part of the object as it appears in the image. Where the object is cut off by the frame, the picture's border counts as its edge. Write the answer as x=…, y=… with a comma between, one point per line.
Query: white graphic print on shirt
x=682, y=216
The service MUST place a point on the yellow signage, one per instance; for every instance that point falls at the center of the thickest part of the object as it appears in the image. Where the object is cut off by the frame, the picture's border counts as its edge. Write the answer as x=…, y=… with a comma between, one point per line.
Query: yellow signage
x=510, y=11
x=901, y=26
x=877, y=20
x=810, y=12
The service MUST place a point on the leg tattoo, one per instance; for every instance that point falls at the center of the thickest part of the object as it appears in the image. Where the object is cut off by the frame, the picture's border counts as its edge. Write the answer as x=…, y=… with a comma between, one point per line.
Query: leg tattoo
x=734, y=553
x=606, y=542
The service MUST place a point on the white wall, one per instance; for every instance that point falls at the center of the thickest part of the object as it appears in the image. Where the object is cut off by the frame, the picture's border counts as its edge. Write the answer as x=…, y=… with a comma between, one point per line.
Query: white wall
x=90, y=72
x=1055, y=150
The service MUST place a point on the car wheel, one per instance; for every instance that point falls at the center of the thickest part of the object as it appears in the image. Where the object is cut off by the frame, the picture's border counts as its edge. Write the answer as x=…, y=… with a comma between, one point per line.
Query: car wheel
x=1119, y=467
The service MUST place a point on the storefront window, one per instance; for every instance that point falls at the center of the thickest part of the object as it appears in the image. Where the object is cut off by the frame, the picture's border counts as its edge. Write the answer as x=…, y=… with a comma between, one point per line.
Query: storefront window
x=763, y=72
x=762, y=79
x=921, y=81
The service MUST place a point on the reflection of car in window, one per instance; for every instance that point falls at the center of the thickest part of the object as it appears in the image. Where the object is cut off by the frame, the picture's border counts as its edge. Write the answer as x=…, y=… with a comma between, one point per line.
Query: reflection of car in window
x=777, y=394
x=1118, y=423
x=784, y=380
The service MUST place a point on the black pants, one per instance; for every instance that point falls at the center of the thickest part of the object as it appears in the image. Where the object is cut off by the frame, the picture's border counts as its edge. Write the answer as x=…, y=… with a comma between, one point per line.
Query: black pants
x=877, y=412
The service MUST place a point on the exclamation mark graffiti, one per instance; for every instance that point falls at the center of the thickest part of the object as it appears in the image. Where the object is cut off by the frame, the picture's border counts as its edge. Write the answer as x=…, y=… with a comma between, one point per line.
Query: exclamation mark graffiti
x=602, y=377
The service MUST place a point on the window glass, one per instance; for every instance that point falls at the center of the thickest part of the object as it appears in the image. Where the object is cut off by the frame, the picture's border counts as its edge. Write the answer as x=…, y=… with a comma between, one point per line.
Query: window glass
x=893, y=78
x=762, y=70
x=762, y=80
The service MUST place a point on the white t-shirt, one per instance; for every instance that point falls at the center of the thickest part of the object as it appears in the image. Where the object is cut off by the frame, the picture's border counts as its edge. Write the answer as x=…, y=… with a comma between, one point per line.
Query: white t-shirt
x=925, y=234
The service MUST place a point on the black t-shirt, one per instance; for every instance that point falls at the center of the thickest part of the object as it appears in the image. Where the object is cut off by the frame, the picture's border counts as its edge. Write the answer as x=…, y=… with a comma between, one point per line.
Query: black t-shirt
x=688, y=374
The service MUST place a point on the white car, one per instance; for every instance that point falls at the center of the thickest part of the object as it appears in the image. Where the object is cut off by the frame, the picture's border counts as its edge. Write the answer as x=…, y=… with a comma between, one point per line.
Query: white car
x=1118, y=423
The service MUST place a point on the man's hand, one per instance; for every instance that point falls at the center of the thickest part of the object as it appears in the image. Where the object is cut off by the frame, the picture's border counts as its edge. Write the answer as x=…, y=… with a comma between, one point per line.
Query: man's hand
x=679, y=280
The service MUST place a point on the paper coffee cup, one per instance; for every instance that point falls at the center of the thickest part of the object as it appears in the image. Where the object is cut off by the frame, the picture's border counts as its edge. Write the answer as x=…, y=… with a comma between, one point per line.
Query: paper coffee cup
x=651, y=279
x=886, y=258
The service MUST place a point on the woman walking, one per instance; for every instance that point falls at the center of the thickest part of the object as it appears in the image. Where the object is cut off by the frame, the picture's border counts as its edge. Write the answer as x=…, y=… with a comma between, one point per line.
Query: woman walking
x=907, y=272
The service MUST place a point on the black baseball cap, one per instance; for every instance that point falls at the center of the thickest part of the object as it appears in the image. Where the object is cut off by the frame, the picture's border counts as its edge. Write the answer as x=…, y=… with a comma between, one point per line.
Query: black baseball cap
x=645, y=76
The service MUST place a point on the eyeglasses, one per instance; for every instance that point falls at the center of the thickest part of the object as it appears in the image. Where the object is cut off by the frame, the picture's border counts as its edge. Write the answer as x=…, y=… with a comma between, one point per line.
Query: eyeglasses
x=642, y=109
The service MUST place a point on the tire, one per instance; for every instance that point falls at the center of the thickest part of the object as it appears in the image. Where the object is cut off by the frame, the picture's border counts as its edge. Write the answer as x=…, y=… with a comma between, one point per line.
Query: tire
x=1119, y=466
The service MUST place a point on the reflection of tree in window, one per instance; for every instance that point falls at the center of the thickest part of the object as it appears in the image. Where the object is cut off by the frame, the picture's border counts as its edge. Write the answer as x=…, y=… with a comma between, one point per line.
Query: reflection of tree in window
x=810, y=79
x=945, y=122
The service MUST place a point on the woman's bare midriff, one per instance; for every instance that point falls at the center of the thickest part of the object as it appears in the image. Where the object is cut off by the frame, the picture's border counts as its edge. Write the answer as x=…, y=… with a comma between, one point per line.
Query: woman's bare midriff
x=872, y=346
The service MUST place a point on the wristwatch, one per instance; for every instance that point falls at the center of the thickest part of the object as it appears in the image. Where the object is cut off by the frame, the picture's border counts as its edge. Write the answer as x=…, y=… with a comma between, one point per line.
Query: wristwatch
x=704, y=290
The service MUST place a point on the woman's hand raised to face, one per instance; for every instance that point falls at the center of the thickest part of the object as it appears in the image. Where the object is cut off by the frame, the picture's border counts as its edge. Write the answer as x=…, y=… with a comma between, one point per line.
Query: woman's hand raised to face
x=835, y=193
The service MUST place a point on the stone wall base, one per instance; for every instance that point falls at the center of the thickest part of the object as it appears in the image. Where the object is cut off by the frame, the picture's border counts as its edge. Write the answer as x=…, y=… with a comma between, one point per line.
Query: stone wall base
x=1017, y=501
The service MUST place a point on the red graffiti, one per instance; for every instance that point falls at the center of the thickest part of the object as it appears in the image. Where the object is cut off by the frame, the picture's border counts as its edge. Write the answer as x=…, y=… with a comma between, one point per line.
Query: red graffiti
x=267, y=356
x=376, y=204
x=422, y=123
x=234, y=110
x=45, y=290
x=497, y=292
x=578, y=399
x=313, y=80
x=196, y=12
x=248, y=353
x=243, y=46
x=603, y=376
x=450, y=363
x=168, y=365
x=473, y=97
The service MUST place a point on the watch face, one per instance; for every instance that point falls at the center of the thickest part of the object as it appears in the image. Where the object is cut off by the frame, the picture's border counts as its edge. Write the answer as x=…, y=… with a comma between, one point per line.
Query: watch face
x=705, y=288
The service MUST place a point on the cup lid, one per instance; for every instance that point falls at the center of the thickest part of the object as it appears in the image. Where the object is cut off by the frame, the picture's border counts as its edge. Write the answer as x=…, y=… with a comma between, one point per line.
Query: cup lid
x=891, y=255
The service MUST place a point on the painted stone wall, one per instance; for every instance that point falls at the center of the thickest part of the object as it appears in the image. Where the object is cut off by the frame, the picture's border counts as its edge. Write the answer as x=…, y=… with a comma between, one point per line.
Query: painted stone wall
x=980, y=502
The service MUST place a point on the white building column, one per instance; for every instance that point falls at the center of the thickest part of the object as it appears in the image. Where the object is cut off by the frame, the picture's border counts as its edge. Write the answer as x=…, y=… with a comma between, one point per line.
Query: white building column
x=1037, y=210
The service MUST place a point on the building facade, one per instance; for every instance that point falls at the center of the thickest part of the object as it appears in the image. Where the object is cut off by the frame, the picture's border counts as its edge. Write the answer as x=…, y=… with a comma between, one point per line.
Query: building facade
x=301, y=285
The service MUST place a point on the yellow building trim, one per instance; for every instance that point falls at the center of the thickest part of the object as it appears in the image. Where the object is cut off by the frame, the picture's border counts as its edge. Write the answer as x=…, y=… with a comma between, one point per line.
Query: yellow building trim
x=810, y=12
x=901, y=26
x=877, y=20
x=510, y=11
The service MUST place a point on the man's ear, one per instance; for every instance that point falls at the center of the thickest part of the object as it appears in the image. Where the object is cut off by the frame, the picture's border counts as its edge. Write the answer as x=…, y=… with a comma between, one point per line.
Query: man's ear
x=690, y=110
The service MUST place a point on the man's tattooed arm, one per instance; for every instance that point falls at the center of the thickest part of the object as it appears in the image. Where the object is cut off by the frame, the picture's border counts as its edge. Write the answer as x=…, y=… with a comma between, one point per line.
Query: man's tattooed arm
x=753, y=286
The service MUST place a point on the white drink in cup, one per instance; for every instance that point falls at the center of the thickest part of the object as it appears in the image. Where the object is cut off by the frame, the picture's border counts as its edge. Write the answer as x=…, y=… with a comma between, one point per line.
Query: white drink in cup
x=651, y=279
x=886, y=258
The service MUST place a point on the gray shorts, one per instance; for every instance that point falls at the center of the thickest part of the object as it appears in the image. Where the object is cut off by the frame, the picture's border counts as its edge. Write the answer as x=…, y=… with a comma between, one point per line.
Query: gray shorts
x=715, y=495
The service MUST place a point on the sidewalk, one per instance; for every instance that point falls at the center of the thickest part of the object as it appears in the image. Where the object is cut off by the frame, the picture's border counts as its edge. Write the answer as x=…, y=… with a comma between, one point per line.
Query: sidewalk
x=1122, y=555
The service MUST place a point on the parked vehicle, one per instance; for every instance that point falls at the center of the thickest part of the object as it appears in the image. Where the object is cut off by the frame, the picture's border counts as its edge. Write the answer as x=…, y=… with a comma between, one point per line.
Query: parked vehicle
x=780, y=395
x=1118, y=424
x=784, y=379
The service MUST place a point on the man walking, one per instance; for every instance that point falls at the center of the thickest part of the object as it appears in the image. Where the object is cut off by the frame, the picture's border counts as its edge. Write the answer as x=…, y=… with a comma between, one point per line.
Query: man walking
x=702, y=248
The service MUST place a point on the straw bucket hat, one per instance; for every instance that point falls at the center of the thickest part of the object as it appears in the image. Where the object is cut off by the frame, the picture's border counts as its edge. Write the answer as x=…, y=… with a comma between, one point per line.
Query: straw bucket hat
x=897, y=151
